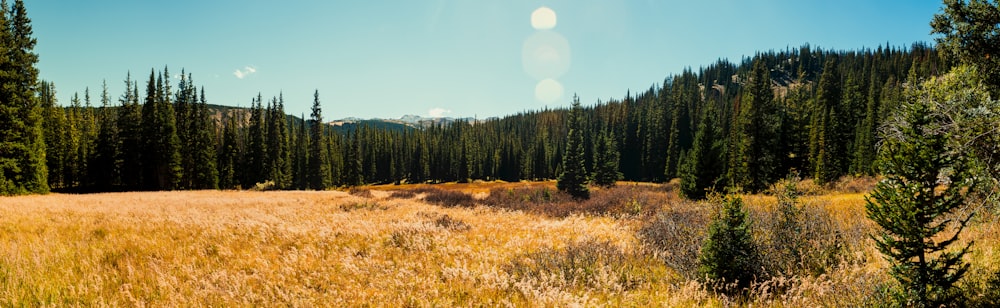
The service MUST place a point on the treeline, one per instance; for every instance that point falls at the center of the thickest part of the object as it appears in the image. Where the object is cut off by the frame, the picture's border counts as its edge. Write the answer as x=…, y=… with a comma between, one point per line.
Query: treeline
x=801, y=110
x=747, y=124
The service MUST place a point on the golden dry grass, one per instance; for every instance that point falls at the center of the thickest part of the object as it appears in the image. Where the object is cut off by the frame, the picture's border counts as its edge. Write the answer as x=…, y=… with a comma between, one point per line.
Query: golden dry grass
x=237, y=248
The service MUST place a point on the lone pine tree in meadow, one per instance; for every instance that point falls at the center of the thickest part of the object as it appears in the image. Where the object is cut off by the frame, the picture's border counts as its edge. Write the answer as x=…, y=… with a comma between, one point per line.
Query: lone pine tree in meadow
x=573, y=178
x=926, y=180
x=729, y=255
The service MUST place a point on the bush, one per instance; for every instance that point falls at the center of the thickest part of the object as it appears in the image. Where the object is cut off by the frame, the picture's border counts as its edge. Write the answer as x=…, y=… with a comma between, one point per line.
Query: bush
x=449, y=198
x=364, y=193
x=402, y=194
x=619, y=200
x=675, y=236
x=263, y=186
x=801, y=239
x=729, y=259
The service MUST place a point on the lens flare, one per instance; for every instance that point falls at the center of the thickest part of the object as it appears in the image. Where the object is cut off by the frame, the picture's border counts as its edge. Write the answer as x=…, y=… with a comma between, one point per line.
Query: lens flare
x=543, y=18
x=548, y=91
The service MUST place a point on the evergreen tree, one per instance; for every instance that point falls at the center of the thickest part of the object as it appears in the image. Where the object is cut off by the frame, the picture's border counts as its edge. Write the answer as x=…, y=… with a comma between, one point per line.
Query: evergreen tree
x=205, y=174
x=256, y=155
x=278, y=165
x=353, y=168
x=130, y=132
x=228, y=156
x=925, y=181
x=300, y=156
x=22, y=162
x=704, y=162
x=161, y=157
x=318, y=172
x=824, y=147
x=969, y=34
x=864, y=144
x=55, y=131
x=729, y=256
x=573, y=178
x=606, y=163
x=754, y=161
x=104, y=167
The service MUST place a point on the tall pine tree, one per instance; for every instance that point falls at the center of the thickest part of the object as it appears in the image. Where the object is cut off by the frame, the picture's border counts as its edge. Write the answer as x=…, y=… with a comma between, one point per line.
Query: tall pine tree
x=318, y=171
x=925, y=181
x=573, y=178
x=22, y=164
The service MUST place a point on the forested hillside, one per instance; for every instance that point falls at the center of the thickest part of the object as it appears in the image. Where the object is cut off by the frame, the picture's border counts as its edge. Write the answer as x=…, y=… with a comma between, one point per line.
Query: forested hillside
x=743, y=124
x=746, y=124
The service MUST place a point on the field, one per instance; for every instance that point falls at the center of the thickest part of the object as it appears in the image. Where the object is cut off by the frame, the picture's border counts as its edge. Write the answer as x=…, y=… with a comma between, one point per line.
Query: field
x=511, y=244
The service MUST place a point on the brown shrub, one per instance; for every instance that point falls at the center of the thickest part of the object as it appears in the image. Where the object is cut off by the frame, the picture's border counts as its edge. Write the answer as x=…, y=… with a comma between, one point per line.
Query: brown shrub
x=675, y=235
x=621, y=200
x=449, y=198
x=402, y=194
x=360, y=192
x=854, y=185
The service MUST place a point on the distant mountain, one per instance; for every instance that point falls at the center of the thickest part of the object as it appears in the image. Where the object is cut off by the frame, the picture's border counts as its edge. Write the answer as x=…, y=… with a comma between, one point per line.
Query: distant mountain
x=409, y=120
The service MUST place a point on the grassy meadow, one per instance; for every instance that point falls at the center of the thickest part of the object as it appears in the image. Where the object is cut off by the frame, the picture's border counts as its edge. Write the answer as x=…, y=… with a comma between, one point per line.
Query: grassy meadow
x=481, y=244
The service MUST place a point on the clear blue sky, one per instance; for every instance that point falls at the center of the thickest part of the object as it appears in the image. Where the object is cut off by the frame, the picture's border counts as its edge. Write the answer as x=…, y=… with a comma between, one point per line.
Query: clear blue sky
x=464, y=58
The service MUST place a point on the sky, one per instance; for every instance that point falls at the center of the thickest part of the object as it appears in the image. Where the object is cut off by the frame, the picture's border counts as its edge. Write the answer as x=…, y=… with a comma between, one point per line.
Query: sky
x=455, y=58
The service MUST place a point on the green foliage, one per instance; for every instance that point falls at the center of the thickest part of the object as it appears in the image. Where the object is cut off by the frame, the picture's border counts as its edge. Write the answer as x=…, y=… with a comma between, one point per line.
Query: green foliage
x=729, y=257
x=318, y=174
x=161, y=159
x=103, y=170
x=704, y=162
x=130, y=133
x=23, y=167
x=968, y=32
x=606, y=161
x=278, y=163
x=353, y=167
x=228, y=160
x=926, y=181
x=826, y=147
x=573, y=179
x=753, y=159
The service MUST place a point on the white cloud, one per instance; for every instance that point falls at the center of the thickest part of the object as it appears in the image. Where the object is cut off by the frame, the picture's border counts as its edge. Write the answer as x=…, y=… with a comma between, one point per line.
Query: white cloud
x=244, y=72
x=438, y=112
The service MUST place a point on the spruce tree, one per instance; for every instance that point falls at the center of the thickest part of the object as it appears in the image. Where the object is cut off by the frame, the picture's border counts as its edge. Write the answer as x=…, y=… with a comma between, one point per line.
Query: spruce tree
x=55, y=131
x=969, y=34
x=824, y=147
x=130, y=132
x=277, y=166
x=205, y=174
x=318, y=172
x=353, y=167
x=573, y=179
x=228, y=155
x=104, y=167
x=161, y=157
x=729, y=257
x=606, y=161
x=926, y=180
x=865, y=138
x=704, y=162
x=754, y=161
x=22, y=164
x=255, y=146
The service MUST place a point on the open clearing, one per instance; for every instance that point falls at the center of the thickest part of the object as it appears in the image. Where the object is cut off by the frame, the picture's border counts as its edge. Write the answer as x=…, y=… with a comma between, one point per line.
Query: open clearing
x=332, y=248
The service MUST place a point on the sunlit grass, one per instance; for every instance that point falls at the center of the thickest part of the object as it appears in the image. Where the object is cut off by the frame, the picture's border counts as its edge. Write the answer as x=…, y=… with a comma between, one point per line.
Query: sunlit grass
x=230, y=248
